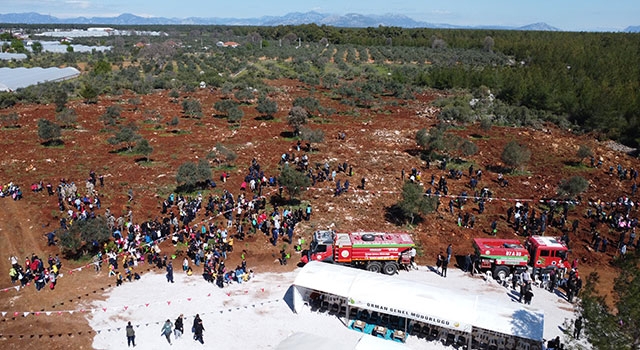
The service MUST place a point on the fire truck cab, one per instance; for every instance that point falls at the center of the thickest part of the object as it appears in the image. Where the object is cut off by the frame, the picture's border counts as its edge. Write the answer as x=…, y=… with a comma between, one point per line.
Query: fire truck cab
x=547, y=253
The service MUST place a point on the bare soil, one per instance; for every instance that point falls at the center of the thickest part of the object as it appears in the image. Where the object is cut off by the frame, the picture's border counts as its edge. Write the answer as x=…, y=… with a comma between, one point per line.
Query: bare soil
x=378, y=145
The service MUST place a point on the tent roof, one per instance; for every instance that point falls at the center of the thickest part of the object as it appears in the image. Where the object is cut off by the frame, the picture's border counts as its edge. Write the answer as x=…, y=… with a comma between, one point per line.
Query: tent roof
x=368, y=342
x=301, y=340
x=507, y=319
x=396, y=296
x=327, y=278
x=16, y=78
x=419, y=301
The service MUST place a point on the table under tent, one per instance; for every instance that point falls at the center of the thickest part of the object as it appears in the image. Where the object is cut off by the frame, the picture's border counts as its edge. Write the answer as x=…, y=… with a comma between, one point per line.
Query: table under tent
x=392, y=308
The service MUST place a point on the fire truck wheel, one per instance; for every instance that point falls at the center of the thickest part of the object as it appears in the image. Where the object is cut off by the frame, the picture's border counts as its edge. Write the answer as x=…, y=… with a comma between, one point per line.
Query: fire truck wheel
x=390, y=268
x=500, y=273
x=374, y=266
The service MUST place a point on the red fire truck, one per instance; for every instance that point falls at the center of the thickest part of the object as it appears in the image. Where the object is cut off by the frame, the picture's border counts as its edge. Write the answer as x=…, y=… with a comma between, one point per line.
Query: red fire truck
x=375, y=251
x=505, y=256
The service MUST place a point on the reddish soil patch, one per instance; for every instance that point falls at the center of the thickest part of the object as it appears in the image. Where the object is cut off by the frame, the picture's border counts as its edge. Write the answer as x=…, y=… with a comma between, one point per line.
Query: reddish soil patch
x=378, y=145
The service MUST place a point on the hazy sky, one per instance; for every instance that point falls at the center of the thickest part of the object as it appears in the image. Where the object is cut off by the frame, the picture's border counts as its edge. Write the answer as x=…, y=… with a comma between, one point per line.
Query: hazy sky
x=564, y=14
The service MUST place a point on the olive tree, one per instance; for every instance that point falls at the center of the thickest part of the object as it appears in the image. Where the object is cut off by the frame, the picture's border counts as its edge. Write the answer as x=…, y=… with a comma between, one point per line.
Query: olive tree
x=227, y=153
x=294, y=181
x=125, y=134
x=573, y=186
x=143, y=147
x=311, y=135
x=223, y=106
x=192, y=108
x=297, y=117
x=515, y=154
x=191, y=175
x=583, y=152
x=235, y=114
x=48, y=130
x=267, y=107
x=67, y=117
x=111, y=115
x=414, y=203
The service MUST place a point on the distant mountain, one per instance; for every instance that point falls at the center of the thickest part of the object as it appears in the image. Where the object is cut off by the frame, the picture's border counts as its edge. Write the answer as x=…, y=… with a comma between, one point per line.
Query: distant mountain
x=353, y=20
x=540, y=26
x=632, y=29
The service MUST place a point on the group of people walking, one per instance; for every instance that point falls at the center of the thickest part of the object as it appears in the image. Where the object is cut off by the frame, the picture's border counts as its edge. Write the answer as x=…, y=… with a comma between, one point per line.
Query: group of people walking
x=176, y=328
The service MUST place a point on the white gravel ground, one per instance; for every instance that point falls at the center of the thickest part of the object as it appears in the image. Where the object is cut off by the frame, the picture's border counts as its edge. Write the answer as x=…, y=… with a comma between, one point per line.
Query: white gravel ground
x=257, y=314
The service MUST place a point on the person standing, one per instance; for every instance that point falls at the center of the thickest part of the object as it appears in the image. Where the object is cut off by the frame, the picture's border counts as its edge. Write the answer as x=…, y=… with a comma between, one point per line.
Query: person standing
x=308, y=212
x=179, y=327
x=185, y=262
x=166, y=330
x=577, y=327
x=198, y=328
x=449, y=252
x=494, y=227
x=528, y=294
x=445, y=263
x=412, y=254
x=170, y=272
x=467, y=262
x=131, y=335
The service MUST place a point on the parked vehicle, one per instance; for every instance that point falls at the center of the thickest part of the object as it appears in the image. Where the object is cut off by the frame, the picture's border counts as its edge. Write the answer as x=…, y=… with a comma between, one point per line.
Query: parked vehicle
x=374, y=251
x=506, y=256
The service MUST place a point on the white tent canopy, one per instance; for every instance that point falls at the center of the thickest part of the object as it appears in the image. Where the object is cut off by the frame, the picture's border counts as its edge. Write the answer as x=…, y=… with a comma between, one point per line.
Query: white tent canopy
x=324, y=277
x=412, y=300
x=301, y=340
x=415, y=301
x=520, y=322
x=368, y=342
x=394, y=296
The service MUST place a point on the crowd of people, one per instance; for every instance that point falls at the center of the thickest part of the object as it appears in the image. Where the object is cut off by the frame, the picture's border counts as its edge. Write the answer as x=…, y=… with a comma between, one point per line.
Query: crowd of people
x=230, y=217
x=35, y=270
x=11, y=190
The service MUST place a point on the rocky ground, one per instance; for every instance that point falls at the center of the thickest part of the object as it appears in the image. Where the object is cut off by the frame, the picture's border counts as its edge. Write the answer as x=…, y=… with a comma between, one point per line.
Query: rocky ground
x=378, y=145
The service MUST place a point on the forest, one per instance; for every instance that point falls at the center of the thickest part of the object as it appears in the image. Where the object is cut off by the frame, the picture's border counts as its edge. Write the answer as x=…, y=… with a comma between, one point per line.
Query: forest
x=586, y=82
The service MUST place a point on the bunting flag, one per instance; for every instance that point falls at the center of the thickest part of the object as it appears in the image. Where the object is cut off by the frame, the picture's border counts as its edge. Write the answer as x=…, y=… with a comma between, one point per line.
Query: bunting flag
x=122, y=307
x=352, y=190
x=157, y=241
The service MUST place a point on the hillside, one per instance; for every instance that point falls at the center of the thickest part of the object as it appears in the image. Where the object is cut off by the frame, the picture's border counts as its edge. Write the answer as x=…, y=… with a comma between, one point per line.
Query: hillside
x=378, y=145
